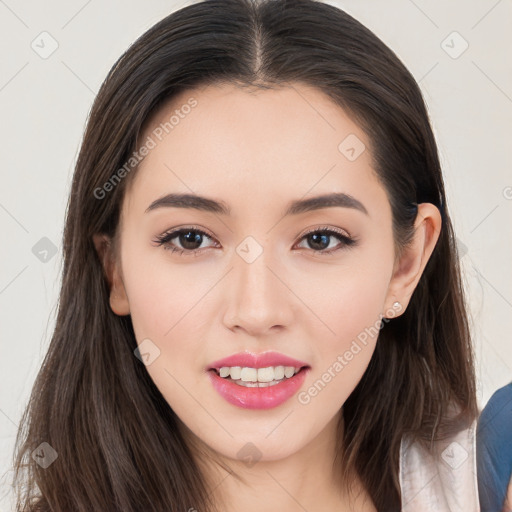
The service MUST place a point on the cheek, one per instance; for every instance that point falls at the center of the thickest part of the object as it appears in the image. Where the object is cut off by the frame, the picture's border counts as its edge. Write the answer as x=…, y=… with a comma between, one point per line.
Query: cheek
x=344, y=304
x=357, y=315
x=163, y=297
x=166, y=308
x=345, y=328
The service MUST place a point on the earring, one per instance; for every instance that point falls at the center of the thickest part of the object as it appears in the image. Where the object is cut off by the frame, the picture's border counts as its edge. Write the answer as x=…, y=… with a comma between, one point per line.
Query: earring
x=396, y=306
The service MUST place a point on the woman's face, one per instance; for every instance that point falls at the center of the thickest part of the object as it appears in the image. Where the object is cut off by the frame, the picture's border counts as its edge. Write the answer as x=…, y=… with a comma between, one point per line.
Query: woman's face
x=255, y=282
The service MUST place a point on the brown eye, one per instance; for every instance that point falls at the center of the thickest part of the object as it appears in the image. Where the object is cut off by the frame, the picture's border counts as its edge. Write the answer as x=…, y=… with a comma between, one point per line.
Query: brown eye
x=189, y=240
x=319, y=240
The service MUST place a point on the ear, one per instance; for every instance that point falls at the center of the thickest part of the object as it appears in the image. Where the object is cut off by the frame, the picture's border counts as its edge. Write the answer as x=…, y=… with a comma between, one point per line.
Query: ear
x=409, y=269
x=111, y=267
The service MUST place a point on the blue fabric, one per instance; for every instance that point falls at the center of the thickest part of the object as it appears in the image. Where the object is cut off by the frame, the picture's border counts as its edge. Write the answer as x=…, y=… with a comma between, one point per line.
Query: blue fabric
x=494, y=450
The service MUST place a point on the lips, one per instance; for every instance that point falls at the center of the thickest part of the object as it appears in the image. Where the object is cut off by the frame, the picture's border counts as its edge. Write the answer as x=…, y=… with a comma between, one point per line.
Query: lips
x=251, y=360
x=256, y=397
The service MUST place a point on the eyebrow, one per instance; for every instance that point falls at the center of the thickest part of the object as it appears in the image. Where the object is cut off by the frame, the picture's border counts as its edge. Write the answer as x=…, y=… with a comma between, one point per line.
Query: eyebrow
x=335, y=199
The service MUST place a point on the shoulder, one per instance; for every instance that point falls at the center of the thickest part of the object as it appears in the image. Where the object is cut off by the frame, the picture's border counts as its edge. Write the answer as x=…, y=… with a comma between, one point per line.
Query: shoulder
x=497, y=414
x=494, y=448
x=441, y=479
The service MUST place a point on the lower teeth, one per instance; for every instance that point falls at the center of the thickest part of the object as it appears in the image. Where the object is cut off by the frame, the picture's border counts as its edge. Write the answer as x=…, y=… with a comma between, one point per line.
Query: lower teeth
x=254, y=384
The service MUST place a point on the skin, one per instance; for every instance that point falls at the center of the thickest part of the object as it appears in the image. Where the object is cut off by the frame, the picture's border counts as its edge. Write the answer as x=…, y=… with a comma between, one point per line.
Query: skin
x=256, y=151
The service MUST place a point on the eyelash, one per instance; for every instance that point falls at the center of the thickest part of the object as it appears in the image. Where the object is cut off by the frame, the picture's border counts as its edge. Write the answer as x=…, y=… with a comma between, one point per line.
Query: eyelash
x=165, y=238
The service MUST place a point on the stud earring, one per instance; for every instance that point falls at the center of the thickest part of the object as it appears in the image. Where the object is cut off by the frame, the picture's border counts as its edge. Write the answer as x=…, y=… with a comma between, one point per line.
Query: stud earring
x=396, y=306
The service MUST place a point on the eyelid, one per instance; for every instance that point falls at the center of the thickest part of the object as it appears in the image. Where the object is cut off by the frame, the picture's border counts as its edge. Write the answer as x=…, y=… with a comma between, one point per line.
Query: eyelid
x=178, y=229
x=339, y=231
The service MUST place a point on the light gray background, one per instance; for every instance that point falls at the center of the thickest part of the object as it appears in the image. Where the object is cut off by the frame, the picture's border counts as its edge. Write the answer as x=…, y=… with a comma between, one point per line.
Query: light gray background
x=44, y=103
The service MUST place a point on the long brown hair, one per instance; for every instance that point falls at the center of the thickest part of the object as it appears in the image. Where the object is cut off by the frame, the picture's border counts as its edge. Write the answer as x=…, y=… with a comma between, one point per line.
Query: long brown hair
x=119, y=444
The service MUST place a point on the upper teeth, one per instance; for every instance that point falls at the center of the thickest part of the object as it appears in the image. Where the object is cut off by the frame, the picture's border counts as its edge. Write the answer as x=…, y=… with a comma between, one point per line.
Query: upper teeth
x=267, y=374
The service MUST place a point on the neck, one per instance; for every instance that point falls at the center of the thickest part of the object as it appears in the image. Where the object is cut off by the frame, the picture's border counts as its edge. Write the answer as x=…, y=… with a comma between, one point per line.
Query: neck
x=305, y=480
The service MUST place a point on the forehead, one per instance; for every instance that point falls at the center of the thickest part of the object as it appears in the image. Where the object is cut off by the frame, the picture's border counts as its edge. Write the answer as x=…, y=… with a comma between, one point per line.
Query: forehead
x=252, y=146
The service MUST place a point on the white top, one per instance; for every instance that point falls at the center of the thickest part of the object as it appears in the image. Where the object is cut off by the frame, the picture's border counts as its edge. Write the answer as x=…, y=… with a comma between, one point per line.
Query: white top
x=443, y=482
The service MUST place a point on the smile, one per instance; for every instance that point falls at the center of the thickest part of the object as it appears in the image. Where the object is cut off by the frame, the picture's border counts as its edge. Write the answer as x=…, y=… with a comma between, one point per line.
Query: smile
x=249, y=392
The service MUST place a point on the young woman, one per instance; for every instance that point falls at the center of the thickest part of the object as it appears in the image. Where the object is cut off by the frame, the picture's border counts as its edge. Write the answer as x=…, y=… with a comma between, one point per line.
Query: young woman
x=261, y=305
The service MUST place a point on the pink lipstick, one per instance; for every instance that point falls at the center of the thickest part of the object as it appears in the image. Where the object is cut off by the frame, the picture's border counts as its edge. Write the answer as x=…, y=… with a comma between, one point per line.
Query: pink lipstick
x=249, y=394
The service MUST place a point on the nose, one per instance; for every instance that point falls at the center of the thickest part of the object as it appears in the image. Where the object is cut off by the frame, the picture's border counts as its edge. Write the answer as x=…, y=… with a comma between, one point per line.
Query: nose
x=258, y=296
